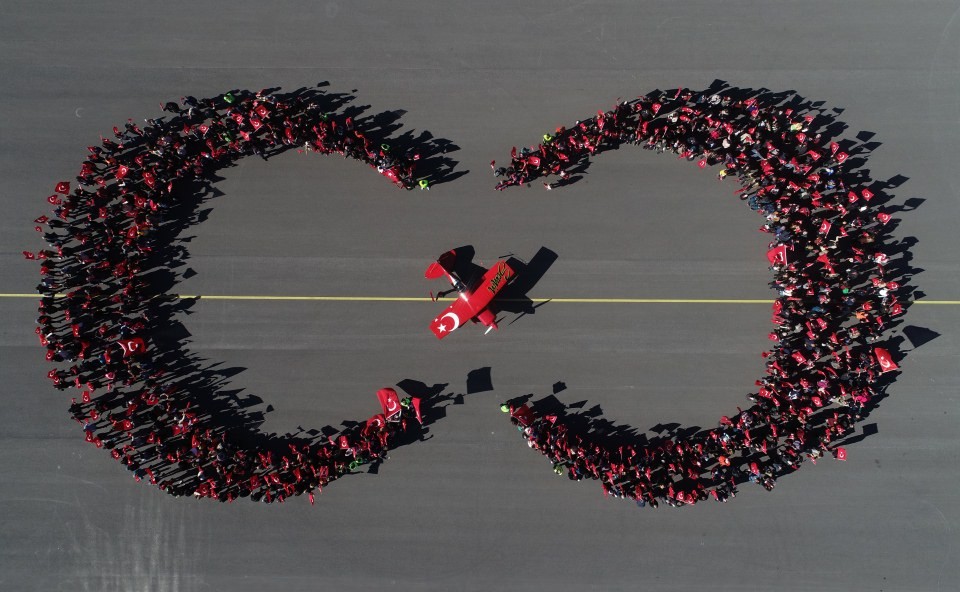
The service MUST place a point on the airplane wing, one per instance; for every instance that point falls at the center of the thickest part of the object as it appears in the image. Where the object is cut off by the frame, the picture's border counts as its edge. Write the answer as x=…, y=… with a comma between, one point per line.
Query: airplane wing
x=455, y=315
x=443, y=265
x=494, y=280
x=490, y=285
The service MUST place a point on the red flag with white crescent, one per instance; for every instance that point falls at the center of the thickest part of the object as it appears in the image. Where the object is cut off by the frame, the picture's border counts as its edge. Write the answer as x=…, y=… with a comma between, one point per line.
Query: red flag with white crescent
x=867, y=194
x=149, y=179
x=122, y=171
x=883, y=217
x=825, y=227
x=800, y=359
x=377, y=421
x=884, y=359
x=262, y=111
x=834, y=147
x=842, y=156
x=841, y=454
x=62, y=187
x=133, y=346
x=256, y=123
x=390, y=402
x=777, y=255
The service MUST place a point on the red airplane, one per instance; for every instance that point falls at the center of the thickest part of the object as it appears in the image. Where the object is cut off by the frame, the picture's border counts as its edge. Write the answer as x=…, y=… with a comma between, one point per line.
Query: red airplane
x=473, y=302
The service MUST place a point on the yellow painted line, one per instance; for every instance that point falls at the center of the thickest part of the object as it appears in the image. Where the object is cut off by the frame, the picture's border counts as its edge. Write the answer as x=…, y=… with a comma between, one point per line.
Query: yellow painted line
x=426, y=299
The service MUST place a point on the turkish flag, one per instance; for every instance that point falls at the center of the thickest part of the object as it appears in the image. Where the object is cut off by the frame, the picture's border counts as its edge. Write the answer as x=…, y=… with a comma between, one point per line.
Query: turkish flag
x=533, y=161
x=834, y=147
x=777, y=255
x=54, y=200
x=238, y=118
x=656, y=108
x=523, y=415
x=203, y=129
x=799, y=357
x=842, y=156
x=377, y=421
x=883, y=217
x=262, y=110
x=884, y=359
x=390, y=402
x=702, y=163
x=896, y=309
x=801, y=138
x=867, y=194
x=256, y=123
x=149, y=179
x=62, y=187
x=825, y=227
x=841, y=454
x=122, y=171
x=132, y=346
x=415, y=401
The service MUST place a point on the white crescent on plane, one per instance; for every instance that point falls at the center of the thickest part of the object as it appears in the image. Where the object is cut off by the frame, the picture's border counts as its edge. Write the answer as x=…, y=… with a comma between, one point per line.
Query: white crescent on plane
x=456, y=320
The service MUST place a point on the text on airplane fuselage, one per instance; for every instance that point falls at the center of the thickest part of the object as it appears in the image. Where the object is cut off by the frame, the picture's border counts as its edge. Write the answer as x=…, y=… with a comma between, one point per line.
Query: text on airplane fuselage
x=502, y=271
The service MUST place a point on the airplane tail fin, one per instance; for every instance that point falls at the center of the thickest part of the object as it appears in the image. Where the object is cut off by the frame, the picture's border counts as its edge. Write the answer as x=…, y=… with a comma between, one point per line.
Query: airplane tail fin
x=434, y=271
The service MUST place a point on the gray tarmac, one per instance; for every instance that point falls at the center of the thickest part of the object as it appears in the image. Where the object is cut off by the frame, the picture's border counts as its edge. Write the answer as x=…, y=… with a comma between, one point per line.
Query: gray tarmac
x=472, y=508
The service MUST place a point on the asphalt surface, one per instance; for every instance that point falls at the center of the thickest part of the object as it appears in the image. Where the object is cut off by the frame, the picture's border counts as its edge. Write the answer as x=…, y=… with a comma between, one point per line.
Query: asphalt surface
x=472, y=508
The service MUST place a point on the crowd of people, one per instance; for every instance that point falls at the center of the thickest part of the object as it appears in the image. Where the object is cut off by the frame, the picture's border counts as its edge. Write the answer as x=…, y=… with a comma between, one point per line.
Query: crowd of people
x=835, y=297
x=835, y=294
x=97, y=302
